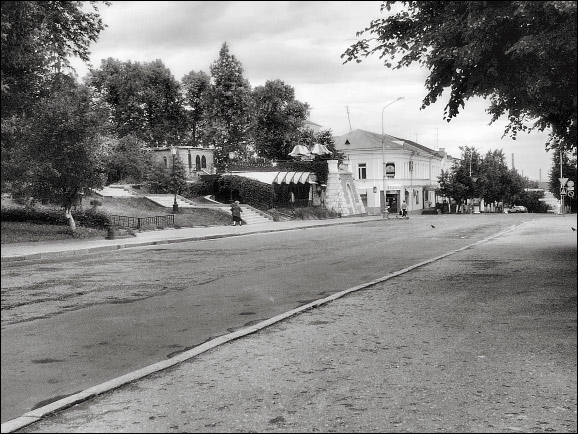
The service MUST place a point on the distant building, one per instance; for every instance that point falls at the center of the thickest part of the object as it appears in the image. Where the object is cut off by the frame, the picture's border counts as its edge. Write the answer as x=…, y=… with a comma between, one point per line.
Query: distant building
x=411, y=170
x=196, y=160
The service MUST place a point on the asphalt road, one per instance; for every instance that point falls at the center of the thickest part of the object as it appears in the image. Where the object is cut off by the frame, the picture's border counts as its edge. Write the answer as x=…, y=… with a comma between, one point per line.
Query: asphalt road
x=115, y=313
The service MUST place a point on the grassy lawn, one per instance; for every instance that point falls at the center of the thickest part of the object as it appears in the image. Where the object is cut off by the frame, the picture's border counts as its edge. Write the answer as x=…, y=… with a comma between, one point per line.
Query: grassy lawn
x=17, y=232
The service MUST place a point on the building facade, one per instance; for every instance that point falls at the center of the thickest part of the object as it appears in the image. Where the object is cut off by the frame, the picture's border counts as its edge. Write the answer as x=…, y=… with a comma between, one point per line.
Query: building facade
x=390, y=170
x=197, y=161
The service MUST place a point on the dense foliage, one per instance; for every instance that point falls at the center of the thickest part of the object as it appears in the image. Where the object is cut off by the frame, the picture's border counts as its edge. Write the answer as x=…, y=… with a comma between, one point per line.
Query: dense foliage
x=145, y=98
x=277, y=119
x=63, y=144
x=164, y=181
x=127, y=161
x=520, y=55
x=229, y=111
x=249, y=191
x=37, y=39
x=90, y=218
x=474, y=176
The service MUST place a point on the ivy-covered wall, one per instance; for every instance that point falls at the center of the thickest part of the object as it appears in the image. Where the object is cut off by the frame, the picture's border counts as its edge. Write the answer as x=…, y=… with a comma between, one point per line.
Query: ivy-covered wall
x=255, y=193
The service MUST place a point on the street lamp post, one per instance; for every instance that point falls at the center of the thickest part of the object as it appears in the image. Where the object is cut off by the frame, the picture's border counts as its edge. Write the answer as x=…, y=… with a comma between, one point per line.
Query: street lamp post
x=383, y=154
x=474, y=179
x=175, y=204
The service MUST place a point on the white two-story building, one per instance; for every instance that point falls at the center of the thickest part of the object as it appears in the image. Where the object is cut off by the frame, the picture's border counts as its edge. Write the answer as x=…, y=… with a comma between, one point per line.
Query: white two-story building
x=390, y=170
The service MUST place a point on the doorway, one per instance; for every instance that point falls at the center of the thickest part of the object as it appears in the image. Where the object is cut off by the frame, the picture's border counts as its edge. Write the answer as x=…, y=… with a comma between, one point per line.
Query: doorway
x=392, y=203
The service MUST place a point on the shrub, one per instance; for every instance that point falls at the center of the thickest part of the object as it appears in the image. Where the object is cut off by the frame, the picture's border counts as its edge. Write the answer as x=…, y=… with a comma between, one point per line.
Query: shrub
x=52, y=216
x=200, y=188
x=92, y=218
x=252, y=192
x=275, y=214
x=314, y=213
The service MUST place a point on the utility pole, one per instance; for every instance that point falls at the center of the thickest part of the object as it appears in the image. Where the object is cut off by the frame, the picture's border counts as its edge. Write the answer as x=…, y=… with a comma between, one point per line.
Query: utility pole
x=384, y=205
x=347, y=109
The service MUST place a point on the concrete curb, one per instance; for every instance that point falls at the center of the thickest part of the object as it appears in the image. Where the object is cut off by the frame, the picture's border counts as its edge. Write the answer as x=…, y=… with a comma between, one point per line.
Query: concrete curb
x=36, y=415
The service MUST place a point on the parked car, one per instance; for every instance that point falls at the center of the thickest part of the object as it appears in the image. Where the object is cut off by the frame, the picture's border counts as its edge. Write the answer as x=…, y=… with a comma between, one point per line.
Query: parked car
x=518, y=208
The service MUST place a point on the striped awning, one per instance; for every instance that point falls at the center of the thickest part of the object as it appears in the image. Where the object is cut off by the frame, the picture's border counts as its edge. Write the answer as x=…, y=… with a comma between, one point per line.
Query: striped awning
x=280, y=177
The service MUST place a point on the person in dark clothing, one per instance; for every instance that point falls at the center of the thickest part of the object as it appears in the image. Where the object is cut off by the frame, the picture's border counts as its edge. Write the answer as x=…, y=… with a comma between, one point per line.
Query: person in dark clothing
x=236, y=213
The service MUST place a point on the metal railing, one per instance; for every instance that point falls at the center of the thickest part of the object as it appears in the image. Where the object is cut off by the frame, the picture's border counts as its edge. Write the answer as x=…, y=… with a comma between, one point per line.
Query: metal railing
x=140, y=222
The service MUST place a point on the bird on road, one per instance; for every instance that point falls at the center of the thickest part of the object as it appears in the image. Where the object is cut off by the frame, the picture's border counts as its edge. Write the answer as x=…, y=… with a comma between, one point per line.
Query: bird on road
x=432, y=226
x=573, y=229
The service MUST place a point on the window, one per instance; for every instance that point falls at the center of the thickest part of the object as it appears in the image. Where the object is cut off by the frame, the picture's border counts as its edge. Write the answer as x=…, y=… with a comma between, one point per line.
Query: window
x=166, y=162
x=362, y=171
x=190, y=161
x=203, y=162
x=198, y=163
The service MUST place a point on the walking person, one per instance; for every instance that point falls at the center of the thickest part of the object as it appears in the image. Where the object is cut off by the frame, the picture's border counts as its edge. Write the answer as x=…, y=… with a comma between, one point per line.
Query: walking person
x=236, y=213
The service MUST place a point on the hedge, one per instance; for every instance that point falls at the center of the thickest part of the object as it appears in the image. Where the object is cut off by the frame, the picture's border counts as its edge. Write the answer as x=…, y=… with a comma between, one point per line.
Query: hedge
x=90, y=218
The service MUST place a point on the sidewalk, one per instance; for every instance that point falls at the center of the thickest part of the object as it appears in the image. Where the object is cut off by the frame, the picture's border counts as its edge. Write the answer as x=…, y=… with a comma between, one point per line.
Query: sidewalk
x=482, y=339
x=23, y=251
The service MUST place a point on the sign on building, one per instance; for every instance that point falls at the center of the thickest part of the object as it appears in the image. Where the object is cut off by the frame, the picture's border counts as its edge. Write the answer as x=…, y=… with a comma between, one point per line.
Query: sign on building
x=390, y=170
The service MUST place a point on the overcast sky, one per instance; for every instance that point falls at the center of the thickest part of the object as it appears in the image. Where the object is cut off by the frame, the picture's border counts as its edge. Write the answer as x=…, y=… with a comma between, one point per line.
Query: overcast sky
x=300, y=43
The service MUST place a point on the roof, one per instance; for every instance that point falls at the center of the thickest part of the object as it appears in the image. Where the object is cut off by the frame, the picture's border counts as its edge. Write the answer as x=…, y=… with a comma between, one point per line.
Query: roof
x=307, y=121
x=366, y=140
x=280, y=177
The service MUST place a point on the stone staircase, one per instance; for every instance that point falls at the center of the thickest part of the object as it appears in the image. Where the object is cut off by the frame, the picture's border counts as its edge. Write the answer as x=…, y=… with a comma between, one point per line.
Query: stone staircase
x=250, y=215
x=115, y=191
x=167, y=200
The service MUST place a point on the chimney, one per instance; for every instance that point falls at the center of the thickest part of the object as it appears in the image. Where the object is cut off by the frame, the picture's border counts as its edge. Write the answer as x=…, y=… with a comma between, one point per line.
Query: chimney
x=513, y=167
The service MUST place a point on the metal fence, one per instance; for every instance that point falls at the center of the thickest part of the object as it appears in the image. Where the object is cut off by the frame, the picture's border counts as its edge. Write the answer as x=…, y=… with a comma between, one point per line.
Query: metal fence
x=140, y=222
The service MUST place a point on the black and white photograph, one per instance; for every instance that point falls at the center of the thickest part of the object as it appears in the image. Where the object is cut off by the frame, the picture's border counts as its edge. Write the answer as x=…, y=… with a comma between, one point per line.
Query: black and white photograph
x=288, y=216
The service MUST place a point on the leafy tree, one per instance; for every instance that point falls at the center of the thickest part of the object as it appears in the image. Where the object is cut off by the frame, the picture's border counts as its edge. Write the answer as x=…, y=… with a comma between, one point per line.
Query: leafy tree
x=325, y=137
x=521, y=55
x=494, y=176
x=196, y=87
x=145, y=98
x=494, y=182
x=458, y=183
x=127, y=161
x=277, y=119
x=531, y=200
x=163, y=181
x=450, y=186
x=63, y=142
x=230, y=107
x=178, y=177
x=38, y=37
x=514, y=187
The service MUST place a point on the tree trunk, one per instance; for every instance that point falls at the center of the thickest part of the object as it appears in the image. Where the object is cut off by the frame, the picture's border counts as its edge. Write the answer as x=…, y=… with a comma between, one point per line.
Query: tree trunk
x=71, y=222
